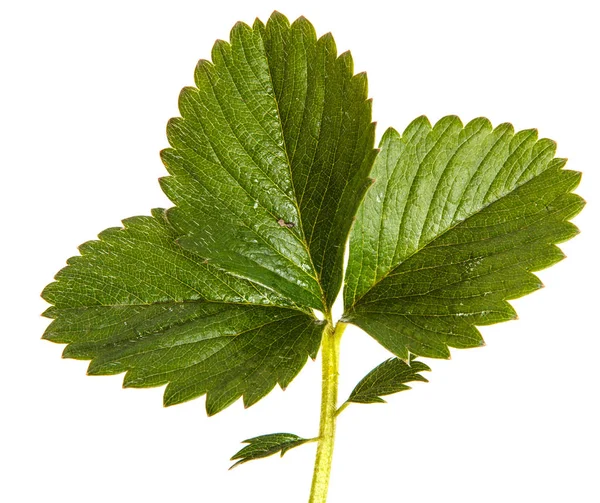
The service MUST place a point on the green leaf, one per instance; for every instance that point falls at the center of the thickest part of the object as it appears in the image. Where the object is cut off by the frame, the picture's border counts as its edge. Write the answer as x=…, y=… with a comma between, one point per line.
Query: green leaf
x=270, y=158
x=269, y=163
x=136, y=302
x=456, y=222
x=267, y=445
x=143, y=264
x=387, y=378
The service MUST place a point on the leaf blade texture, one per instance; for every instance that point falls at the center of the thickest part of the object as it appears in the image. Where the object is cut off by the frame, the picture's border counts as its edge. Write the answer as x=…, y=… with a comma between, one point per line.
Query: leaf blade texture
x=267, y=166
x=270, y=158
x=267, y=445
x=455, y=224
x=136, y=302
x=387, y=378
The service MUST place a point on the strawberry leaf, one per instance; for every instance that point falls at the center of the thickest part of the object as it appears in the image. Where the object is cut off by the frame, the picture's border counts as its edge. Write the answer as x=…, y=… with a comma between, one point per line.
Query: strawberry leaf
x=387, y=378
x=267, y=445
x=456, y=222
x=136, y=302
x=270, y=158
x=269, y=162
x=269, y=166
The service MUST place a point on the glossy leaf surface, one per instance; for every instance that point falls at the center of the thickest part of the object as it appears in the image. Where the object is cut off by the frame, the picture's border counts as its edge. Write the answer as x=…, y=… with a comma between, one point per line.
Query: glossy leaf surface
x=455, y=224
x=387, y=378
x=136, y=302
x=268, y=164
x=270, y=158
x=267, y=445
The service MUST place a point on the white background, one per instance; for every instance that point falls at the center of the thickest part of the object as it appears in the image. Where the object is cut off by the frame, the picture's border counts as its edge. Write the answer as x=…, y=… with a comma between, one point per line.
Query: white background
x=85, y=93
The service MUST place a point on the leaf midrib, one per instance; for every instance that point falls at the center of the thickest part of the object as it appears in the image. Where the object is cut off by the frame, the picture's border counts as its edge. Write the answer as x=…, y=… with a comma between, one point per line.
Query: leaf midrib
x=183, y=344
x=296, y=202
x=188, y=301
x=424, y=245
x=296, y=238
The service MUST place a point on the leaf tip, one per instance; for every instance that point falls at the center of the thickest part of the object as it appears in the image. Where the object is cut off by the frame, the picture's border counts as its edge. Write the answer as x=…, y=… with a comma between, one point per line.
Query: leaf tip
x=389, y=134
x=203, y=63
x=68, y=353
x=221, y=47
x=480, y=122
x=239, y=28
x=505, y=127
x=421, y=122
x=131, y=381
x=347, y=61
x=448, y=121
x=328, y=40
x=258, y=24
x=168, y=397
x=235, y=464
x=276, y=15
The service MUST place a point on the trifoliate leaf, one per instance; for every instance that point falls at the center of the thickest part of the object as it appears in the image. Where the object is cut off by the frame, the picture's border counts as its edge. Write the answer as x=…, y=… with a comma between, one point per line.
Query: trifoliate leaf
x=270, y=158
x=455, y=223
x=387, y=378
x=136, y=302
x=267, y=445
x=269, y=163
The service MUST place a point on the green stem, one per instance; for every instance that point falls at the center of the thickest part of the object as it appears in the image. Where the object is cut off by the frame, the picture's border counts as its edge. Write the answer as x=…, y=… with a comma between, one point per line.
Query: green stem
x=330, y=353
x=342, y=408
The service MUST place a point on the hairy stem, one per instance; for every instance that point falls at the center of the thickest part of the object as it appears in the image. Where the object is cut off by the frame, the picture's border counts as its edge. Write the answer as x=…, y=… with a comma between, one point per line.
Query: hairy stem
x=342, y=408
x=330, y=353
